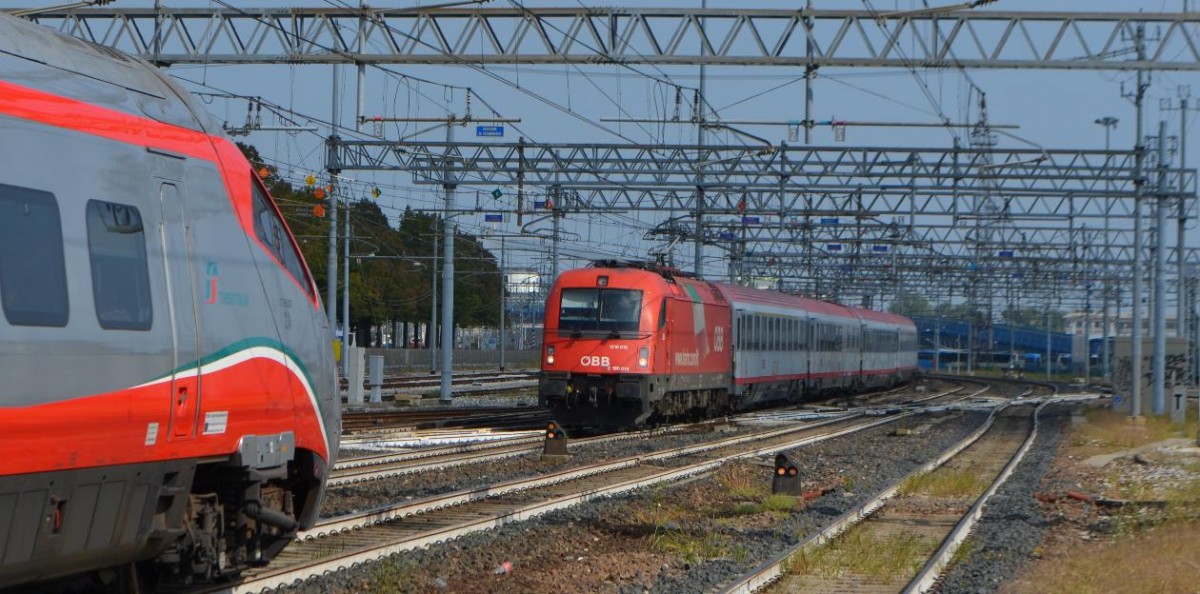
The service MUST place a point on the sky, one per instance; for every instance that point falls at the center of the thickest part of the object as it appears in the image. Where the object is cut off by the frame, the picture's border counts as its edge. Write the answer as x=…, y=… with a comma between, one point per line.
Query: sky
x=1053, y=109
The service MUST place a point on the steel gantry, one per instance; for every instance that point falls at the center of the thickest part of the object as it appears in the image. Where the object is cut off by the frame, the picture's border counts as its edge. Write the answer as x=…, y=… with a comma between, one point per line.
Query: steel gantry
x=884, y=181
x=808, y=212
x=591, y=35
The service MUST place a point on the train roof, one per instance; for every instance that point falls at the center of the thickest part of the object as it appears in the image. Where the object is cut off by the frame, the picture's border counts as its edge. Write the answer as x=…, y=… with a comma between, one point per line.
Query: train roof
x=882, y=316
x=37, y=57
x=735, y=293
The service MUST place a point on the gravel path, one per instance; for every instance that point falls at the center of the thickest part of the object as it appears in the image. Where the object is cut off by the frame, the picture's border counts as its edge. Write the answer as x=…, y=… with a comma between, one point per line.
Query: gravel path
x=681, y=538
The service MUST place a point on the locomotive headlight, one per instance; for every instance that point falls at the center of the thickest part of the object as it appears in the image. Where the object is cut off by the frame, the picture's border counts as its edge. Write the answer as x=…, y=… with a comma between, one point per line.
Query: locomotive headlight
x=550, y=355
x=643, y=356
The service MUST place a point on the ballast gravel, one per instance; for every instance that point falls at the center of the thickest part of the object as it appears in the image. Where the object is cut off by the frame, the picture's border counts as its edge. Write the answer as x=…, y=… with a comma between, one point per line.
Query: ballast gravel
x=406, y=487
x=1012, y=525
x=617, y=544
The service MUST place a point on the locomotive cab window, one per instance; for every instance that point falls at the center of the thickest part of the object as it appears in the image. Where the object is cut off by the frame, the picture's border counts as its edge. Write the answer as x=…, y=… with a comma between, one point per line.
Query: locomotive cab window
x=33, y=276
x=120, y=277
x=600, y=310
x=273, y=234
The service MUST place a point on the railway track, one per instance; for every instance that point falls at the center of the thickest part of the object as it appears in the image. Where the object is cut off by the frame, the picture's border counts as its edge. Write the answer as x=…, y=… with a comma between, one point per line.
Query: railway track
x=927, y=515
x=367, y=468
x=515, y=418
x=381, y=466
x=347, y=540
x=472, y=382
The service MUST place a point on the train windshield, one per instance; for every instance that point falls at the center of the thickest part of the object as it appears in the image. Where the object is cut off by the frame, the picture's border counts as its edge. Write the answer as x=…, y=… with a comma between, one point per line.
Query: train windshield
x=604, y=310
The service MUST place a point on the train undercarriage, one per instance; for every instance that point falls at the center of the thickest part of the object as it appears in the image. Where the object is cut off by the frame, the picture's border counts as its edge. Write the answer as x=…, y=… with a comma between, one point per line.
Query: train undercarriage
x=138, y=527
x=631, y=400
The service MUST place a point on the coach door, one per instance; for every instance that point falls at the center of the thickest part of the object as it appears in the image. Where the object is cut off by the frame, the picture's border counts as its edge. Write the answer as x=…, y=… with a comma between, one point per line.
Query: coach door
x=175, y=235
x=662, y=347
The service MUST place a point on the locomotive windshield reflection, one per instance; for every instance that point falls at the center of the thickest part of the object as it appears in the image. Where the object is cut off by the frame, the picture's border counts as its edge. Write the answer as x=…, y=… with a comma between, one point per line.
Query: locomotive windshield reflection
x=600, y=310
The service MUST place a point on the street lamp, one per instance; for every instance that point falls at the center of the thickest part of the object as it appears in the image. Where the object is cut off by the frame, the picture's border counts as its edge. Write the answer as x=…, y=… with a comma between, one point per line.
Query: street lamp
x=1109, y=122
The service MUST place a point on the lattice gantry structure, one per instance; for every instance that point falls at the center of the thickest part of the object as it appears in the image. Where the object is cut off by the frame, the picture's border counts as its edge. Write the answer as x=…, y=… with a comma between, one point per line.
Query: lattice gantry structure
x=810, y=216
x=590, y=35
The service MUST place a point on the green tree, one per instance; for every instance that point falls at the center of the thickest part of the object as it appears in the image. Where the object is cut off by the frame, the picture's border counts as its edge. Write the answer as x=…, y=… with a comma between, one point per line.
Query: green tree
x=909, y=303
x=391, y=268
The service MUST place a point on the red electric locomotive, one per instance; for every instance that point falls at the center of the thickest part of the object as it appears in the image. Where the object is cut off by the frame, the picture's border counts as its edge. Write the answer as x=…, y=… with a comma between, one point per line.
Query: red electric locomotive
x=629, y=344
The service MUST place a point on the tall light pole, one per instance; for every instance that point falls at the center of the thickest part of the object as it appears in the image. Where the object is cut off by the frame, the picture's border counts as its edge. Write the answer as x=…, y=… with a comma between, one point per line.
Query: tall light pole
x=333, y=167
x=1109, y=123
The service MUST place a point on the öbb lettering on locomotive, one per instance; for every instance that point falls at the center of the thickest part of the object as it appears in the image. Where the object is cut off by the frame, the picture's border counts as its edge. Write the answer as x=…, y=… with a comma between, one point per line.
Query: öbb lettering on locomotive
x=678, y=347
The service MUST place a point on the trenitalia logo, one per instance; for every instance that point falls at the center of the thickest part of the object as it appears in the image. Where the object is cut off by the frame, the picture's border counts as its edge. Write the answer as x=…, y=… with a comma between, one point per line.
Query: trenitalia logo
x=214, y=295
x=210, y=295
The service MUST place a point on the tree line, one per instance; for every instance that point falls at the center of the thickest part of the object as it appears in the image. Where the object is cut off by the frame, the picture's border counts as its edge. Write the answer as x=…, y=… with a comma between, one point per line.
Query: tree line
x=908, y=303
x=391, y=274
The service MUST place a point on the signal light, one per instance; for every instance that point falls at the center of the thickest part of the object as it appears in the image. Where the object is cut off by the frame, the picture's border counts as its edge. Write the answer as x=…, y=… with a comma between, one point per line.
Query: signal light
x=787, y=477
x=319, y=193
x=643, y=356
x=555, y=446
x=550, y=355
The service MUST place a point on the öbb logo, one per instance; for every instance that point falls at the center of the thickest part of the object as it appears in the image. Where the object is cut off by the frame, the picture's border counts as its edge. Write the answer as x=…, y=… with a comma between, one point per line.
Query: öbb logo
x=594, y=361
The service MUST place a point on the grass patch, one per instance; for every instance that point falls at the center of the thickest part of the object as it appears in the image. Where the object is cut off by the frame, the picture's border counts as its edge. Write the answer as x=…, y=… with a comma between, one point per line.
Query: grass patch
x=863, y=551
x=693, y=547
x=744, y=482
x=781, y=503
x=387, y=577
x=945, y=482
x=1159, y=560
x=965, y=551
x=772, y=504
x=1108, y=431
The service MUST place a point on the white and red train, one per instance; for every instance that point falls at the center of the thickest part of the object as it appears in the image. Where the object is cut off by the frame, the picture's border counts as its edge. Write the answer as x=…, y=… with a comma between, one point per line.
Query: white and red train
x=168, y=404
x=630, y=344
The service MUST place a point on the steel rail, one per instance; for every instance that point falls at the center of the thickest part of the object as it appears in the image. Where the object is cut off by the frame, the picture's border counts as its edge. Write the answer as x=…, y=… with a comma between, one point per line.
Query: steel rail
x=467, y=523
x=773, y=569
x=382, y=466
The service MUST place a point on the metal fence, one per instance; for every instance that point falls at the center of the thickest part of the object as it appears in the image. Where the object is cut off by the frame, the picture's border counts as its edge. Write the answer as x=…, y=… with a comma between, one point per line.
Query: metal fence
x=416, y=360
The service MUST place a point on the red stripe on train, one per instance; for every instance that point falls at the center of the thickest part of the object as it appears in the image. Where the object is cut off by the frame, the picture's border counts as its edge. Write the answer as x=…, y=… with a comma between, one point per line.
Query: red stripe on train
x=742, y=380
x=261, y=396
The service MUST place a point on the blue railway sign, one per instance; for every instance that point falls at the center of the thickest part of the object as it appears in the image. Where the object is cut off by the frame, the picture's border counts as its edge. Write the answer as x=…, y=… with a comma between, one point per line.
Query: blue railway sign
x=489, y=131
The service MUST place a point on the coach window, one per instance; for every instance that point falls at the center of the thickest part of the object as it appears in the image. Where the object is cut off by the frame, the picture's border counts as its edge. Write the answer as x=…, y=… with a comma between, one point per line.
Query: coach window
x=273, y=234
x=33, y=276
x=120, y=277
